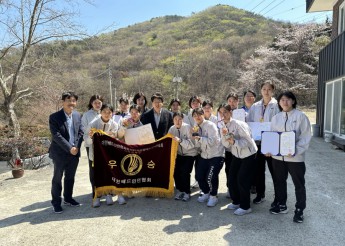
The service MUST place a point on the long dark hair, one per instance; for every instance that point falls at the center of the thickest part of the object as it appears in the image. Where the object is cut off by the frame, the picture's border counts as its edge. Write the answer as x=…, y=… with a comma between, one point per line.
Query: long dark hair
x=93, y=98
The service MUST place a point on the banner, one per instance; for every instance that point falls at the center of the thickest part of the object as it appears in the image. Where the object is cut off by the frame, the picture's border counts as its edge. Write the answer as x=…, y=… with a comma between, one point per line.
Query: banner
x=140, y=169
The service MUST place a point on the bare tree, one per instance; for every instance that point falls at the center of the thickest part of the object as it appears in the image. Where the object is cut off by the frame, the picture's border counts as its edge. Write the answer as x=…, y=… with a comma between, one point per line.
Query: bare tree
x=24, y=24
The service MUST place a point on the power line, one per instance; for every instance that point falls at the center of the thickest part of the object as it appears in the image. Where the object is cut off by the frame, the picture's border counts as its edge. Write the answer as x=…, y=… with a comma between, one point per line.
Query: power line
x=274, y=7
x=257, y=5
x=267, y=6
x=288, y=10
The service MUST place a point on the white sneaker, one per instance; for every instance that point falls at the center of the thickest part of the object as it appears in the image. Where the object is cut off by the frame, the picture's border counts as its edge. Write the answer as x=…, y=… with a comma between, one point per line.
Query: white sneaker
x=109, y=199
x=96, y=203
x=121, y=200
x=186, y=197
x=212, y=201
x=203, y=197
x=233, y=206
x=241, y=211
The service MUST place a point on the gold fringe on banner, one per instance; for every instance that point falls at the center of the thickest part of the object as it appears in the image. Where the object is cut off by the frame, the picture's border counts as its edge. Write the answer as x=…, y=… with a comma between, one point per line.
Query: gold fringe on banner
x=143, y=191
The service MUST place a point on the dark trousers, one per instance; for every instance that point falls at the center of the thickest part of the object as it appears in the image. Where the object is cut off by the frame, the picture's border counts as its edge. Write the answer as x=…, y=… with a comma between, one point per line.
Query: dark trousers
x=91, y=173
x=240, y=176
x=183, y=169
x=207, y=172
x=227, y=161
x=297, y=171
x=259, y=175
x=67, y=166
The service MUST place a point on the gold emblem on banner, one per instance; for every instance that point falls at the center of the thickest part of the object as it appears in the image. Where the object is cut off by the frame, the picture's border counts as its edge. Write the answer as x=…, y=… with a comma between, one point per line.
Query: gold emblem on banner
x=131, y=164
x=151, y=164
x=112, y=163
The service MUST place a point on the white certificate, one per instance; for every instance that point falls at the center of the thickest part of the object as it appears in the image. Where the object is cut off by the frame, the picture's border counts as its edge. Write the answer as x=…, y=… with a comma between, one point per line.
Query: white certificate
x=287, y=143
x=239, y=114
x=270, y=143
x=278, y=143
x=257, y=128
x=140, y=135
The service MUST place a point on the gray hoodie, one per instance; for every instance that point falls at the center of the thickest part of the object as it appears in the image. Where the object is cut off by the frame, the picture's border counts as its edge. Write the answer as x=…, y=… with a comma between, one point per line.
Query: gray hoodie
x=209, y=142
x=244, y=145
x=186, y=147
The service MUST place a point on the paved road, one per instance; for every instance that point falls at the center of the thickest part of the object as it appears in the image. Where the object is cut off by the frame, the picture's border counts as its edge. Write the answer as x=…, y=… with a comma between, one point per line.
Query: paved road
x=26, y=217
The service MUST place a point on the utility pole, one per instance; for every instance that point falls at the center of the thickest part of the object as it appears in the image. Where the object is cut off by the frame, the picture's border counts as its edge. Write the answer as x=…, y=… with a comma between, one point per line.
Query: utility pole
x=111, y=93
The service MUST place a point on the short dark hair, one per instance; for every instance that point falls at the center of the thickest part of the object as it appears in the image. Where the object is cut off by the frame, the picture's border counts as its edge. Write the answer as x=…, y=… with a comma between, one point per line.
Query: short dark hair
x=290, y=95
x=69, y=94
x=174, y=100
x=137, y=96
x=207, y=102
x=222, y=105
x=125, y=100
x=134, y=106
x=93, y=98
x=108, y=106
x=232, y=94
x=268, y=82
x=157, y=95
x=250, y=91
x=198, y=111
x=228, y=108
x=196, y=98
x=178, y=113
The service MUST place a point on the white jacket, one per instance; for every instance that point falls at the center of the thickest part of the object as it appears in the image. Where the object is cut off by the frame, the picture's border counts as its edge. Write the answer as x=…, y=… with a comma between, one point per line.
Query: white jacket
x=110, y=126
x=244, y=145
x=209, y=142
x=257, y=111
x=186, y=147
x=297, y=121
x=213, y=119
x=87, y=118
x=188, y=119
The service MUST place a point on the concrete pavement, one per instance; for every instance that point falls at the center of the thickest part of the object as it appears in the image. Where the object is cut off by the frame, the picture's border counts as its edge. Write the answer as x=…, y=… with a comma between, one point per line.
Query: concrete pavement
x=26, y=216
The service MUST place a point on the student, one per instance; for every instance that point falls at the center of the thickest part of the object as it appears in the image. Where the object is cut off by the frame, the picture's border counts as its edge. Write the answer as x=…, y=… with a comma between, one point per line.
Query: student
x=263, y=111
x=94, y=106
x=67, y=136
x=210, y=161
x=228, y=156
x=207, y=106
x=175, y=105
x=110, y=127
x=248, y=99
x=232, y=99
x=159, y=118
x=194, y=102
x=132, y=122
x=291, y=119
x=140, y=100
x=186, y=154
x=236, y=138
x=124, y=108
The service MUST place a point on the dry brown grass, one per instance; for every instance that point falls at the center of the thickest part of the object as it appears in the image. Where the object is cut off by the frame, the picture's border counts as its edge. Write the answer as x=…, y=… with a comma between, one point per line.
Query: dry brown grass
x=311, y=113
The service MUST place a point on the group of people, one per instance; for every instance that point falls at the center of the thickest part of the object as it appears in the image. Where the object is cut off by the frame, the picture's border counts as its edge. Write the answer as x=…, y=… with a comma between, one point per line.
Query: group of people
x=207, y=141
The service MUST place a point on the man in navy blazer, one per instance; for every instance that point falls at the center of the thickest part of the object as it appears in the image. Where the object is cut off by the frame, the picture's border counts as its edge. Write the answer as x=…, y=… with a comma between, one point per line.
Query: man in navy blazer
x=160, y=119
x=67, y=136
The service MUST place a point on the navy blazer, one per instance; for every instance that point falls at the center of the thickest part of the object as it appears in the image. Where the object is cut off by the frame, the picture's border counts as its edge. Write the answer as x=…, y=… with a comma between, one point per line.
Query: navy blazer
x=60, y=146
x=165, y=122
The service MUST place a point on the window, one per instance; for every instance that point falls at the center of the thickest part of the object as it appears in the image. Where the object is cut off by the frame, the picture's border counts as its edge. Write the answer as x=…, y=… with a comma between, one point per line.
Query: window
x=342, y=120
x=341, y=19
x=334, y=120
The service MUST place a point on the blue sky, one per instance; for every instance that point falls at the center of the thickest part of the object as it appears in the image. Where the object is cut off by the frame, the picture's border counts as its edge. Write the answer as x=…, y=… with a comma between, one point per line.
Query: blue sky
x=121, y=13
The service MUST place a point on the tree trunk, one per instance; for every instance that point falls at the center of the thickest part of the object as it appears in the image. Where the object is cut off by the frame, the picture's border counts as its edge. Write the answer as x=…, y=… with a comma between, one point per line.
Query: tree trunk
x=13, y=120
